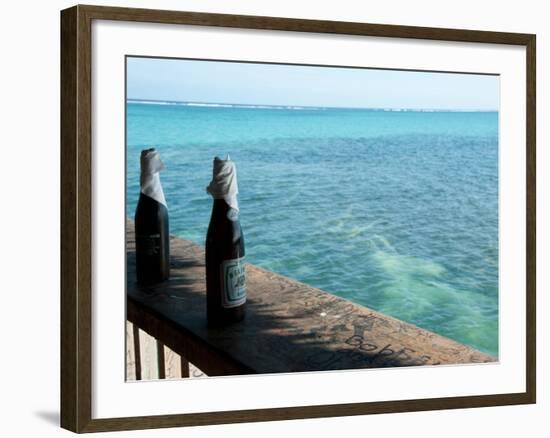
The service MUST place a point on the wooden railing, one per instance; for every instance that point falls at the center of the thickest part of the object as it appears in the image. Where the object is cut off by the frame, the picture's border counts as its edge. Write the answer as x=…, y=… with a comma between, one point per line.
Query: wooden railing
x=148, y=358
x=289, y=327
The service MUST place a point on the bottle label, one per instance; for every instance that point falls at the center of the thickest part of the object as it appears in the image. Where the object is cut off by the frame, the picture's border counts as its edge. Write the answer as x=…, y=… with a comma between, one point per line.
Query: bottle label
x=149, y=244
x=233, y=282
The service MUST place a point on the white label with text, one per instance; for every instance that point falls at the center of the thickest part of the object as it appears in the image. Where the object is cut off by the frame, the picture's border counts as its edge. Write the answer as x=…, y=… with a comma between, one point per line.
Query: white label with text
x=233, y=282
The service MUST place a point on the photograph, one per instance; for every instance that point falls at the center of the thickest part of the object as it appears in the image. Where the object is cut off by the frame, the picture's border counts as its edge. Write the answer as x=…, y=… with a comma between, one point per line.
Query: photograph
x=286, y=218
x=267, y=218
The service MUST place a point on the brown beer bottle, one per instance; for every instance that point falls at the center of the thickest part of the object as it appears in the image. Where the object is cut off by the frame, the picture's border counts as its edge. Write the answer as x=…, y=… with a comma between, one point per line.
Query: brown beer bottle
x=225, y=270
x=151, y=223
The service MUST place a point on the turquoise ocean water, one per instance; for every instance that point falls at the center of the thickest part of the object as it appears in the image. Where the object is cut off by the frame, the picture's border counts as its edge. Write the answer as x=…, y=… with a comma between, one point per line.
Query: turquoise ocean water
x=397, y=211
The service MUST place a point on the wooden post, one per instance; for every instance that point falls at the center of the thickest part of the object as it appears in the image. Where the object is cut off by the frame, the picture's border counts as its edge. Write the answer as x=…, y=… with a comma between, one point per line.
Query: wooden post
x=137, y=351
x=160, y=359
x=184, y=367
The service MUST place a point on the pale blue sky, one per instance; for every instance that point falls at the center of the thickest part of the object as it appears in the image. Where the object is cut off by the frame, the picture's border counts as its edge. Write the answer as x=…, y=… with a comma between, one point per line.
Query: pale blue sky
x=243, y=83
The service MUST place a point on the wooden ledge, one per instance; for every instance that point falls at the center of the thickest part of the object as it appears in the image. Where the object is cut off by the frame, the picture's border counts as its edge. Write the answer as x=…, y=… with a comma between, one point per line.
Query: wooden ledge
x=289, y=326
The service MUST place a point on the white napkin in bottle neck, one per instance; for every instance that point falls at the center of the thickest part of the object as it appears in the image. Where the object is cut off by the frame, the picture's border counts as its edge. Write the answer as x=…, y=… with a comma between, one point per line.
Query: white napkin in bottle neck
x=224, y=182
x=151, y=165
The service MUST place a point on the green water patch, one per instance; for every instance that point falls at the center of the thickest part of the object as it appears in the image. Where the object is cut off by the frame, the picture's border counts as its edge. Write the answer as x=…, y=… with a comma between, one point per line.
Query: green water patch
x=415, y=290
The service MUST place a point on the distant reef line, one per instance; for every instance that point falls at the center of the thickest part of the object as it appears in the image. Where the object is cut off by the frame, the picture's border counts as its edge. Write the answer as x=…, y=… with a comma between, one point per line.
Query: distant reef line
x=298, y=107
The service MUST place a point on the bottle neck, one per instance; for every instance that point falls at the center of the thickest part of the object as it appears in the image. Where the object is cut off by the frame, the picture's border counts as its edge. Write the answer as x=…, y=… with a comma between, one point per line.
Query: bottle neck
x=224, y=182
x=150, y=186
x=220, y=206
x=221, y=210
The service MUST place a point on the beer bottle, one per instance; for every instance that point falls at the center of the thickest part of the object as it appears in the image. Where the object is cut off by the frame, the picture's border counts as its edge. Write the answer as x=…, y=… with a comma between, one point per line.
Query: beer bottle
x=225, y=271
x=151, y=223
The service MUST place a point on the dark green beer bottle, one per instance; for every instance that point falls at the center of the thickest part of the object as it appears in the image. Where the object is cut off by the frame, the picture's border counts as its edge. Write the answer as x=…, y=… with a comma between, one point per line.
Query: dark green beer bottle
x=225, y=270
x=151, y=223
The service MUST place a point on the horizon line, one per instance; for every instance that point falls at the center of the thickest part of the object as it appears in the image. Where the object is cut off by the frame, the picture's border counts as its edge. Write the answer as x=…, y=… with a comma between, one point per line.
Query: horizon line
x=293, y=106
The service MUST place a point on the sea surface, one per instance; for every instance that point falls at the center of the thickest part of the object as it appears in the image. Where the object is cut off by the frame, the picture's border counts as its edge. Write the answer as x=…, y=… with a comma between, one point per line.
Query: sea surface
x=394, y=210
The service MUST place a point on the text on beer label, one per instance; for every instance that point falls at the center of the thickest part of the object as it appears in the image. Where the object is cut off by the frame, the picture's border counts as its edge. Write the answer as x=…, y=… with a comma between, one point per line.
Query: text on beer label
x=233, y=282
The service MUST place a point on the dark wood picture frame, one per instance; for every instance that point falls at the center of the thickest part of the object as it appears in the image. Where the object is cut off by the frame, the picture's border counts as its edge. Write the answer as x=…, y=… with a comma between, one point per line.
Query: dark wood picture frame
x=76, y=218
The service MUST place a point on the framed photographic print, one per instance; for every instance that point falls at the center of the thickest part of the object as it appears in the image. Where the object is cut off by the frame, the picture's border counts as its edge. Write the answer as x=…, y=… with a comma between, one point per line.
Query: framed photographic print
x=269, y=218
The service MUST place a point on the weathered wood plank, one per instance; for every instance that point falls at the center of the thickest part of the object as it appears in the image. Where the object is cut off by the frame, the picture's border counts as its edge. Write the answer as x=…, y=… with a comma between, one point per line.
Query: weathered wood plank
x=172, y=364
x=185, y=367
x=149, y=356
x=175, y=366
x=137, y=351
x=289, y=326
x=161, y=364
x=130, y=352
x=194, y=372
